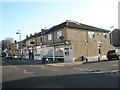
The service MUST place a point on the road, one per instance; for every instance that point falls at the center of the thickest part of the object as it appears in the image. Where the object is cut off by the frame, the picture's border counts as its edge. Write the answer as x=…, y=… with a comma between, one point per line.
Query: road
x=22, y=74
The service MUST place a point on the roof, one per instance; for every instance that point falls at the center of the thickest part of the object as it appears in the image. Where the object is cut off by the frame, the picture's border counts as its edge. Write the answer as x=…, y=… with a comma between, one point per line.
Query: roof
x=116, y=30
x=77, y=25
x=69, y=24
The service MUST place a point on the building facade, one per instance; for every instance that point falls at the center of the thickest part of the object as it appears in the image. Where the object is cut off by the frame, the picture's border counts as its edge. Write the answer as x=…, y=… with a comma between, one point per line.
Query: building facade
x=69, y=41
x=14, y=50
x=79, y=40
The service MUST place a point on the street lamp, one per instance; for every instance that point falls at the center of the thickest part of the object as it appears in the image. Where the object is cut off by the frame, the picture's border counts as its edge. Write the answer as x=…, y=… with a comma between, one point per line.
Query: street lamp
x=19, y=32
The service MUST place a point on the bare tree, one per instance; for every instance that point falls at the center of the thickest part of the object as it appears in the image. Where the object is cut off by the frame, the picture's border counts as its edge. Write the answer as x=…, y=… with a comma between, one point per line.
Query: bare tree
x=9, y=41
x=6, y=43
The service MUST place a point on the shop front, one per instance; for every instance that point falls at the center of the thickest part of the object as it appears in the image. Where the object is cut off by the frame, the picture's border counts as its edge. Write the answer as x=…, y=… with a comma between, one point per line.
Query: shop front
x=25, y=53
x=37, y=51
x=58, y=52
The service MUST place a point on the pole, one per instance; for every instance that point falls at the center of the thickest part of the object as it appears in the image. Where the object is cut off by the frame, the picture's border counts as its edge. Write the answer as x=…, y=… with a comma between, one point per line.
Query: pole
x=53, y=53
x=86, y=46
x=20, y=43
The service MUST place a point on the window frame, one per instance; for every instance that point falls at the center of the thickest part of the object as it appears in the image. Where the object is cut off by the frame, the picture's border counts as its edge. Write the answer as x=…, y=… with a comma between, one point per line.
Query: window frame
x=49, y=37
x=58, y=34
x=36, y=41
x=104, y=35
x=91, y=34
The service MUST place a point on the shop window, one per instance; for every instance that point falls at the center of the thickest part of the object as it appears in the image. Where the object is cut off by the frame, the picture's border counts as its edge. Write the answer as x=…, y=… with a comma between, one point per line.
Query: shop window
x=66, y=51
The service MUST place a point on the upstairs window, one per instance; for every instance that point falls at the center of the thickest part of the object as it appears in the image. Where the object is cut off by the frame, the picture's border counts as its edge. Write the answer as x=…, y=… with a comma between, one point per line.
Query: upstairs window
x=104, y=35
x=49, y=36
x=59, y=33
x=36, y=42
x=41, y=39
x=91, y=34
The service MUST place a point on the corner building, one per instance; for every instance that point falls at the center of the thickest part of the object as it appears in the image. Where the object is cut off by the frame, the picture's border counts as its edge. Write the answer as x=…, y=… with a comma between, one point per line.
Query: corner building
x=71, y=41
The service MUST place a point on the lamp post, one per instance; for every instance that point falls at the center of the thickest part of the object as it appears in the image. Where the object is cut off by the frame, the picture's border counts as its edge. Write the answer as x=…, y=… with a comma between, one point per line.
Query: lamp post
x=19, y=32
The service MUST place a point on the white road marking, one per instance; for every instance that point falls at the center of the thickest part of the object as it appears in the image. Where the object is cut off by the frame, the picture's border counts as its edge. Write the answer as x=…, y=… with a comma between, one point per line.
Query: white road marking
x=55, y=65
x=49, y=68
x=75, y=68
x=27, y=72
x=55, y=70
x=79, y=68
x=24, y=70
x=42, y=67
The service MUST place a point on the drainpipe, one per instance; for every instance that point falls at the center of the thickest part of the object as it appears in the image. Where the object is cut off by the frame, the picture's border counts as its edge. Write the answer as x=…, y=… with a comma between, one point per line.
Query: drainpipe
x=86, y=43
x=53, y=47
x=53, y=53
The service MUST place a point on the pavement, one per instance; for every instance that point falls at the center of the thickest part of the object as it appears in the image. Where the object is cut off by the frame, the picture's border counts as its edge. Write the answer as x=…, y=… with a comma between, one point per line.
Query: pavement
x=107, y=67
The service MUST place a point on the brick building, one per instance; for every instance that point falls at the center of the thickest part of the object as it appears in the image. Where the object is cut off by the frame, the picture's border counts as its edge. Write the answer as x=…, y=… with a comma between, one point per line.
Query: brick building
x=69, y=41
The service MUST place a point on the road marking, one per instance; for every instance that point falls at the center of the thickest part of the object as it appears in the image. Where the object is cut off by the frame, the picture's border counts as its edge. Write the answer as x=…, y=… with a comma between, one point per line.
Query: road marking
x=79, y=68
x=75, y=68
x=55, y=70
x=27, y=72
x=56, y=65
x=42, y=67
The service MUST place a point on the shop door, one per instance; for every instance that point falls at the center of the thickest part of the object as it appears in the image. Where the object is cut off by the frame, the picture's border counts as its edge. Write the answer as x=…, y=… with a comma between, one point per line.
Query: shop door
x=68, y=54
x=99, y=52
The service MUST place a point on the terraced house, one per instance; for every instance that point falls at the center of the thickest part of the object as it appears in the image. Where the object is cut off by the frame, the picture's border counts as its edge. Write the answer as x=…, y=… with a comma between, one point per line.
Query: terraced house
x=69, y=41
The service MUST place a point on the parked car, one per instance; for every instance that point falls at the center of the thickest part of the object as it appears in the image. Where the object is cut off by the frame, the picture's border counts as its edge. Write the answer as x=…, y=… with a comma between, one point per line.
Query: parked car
x=8, y=56
x=3, y=54
x=113, y=54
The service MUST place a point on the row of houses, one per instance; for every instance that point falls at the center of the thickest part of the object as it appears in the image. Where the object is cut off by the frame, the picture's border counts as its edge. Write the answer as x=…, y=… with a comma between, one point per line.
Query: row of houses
x=69, y=41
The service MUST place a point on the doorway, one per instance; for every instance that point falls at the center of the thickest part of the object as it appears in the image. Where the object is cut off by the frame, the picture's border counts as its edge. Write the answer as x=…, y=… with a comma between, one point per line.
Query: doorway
x=99, y=52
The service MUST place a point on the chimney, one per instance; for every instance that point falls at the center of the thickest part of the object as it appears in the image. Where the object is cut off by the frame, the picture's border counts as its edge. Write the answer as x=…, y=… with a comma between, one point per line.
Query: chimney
x=42, y=30
x=30, y=35
x=35, y=33
x=26, y=36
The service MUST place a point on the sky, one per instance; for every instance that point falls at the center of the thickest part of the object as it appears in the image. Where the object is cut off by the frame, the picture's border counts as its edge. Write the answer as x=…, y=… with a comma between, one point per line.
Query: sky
x=32, y=16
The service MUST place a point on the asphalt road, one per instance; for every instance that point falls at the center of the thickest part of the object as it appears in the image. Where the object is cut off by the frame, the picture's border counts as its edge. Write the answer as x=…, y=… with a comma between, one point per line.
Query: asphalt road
x=24, y=74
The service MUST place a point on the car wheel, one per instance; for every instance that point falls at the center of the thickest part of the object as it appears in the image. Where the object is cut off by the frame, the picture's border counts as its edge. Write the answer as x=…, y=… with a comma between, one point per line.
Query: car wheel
x=119, y=57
